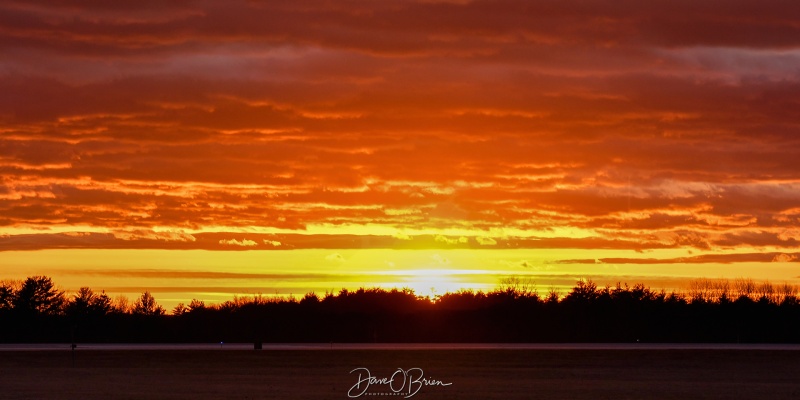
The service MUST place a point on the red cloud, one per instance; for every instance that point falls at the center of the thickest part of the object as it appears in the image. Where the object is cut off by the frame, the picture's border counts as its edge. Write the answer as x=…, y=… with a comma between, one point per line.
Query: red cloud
x=632, y=125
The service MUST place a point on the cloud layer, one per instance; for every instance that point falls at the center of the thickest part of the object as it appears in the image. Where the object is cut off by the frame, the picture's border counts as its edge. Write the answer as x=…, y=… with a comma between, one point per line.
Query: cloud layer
x=474, y=124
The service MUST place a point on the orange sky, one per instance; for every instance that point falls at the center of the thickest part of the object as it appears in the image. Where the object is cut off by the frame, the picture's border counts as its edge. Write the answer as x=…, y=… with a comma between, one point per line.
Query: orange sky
x=654, y=135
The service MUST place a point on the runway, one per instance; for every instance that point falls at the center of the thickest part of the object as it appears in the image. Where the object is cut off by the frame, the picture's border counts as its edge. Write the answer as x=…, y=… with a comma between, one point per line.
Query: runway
x=397, y=346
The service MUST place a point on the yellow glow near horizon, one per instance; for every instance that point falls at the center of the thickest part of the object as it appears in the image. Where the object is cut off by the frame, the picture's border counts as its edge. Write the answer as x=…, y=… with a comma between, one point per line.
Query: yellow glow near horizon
x=215, y=276
x=437, y=281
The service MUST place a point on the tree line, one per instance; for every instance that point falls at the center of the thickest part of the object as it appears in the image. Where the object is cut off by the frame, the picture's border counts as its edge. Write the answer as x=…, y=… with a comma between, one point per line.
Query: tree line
x=35, y=310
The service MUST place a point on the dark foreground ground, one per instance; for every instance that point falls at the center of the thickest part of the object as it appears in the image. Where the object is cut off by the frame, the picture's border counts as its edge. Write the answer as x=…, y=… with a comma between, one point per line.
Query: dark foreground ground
x=474, y=374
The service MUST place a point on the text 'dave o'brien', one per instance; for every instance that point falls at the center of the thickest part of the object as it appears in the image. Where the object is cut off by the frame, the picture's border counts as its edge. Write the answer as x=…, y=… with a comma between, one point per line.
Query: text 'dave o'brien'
x=402, y=382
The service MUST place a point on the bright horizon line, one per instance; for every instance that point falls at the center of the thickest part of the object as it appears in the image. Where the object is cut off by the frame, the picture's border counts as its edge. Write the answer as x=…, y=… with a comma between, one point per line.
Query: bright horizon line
x=213, y=276
x=712, y=286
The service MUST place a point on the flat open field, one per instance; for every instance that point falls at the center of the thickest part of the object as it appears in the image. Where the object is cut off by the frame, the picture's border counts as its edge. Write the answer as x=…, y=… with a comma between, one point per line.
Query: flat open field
x=474, y=374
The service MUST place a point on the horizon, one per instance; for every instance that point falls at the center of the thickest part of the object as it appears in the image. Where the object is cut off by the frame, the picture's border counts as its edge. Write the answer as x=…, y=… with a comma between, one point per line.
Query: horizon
x=198, y=150
x=179, y=284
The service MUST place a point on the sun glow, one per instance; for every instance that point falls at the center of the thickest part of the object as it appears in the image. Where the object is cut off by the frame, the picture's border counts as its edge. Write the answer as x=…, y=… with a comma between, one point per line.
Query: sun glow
x=433, y=282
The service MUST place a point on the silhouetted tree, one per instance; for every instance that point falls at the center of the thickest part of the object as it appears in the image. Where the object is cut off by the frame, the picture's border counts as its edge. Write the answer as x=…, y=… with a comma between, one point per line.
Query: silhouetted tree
x=39, y=295
x=552, y=296
x=87, y=303
x=121, y=305
x=512, y=313
x=465, y=299
x=517, y=287
x=310, y=298
x=180, y=309
x=583, y=292
x=7, y=294
x=196, y=305
x=146, y=305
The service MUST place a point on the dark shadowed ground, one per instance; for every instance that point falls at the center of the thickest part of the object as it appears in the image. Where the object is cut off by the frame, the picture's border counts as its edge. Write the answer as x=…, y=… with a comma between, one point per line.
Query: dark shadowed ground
x=475, y=374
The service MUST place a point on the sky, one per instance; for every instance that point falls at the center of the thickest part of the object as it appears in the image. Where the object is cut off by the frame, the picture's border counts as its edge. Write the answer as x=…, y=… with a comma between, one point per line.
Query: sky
x=202, y=149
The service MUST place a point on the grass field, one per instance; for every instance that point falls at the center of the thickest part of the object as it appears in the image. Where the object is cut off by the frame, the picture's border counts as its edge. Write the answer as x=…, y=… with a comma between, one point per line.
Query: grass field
x=474, y=374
